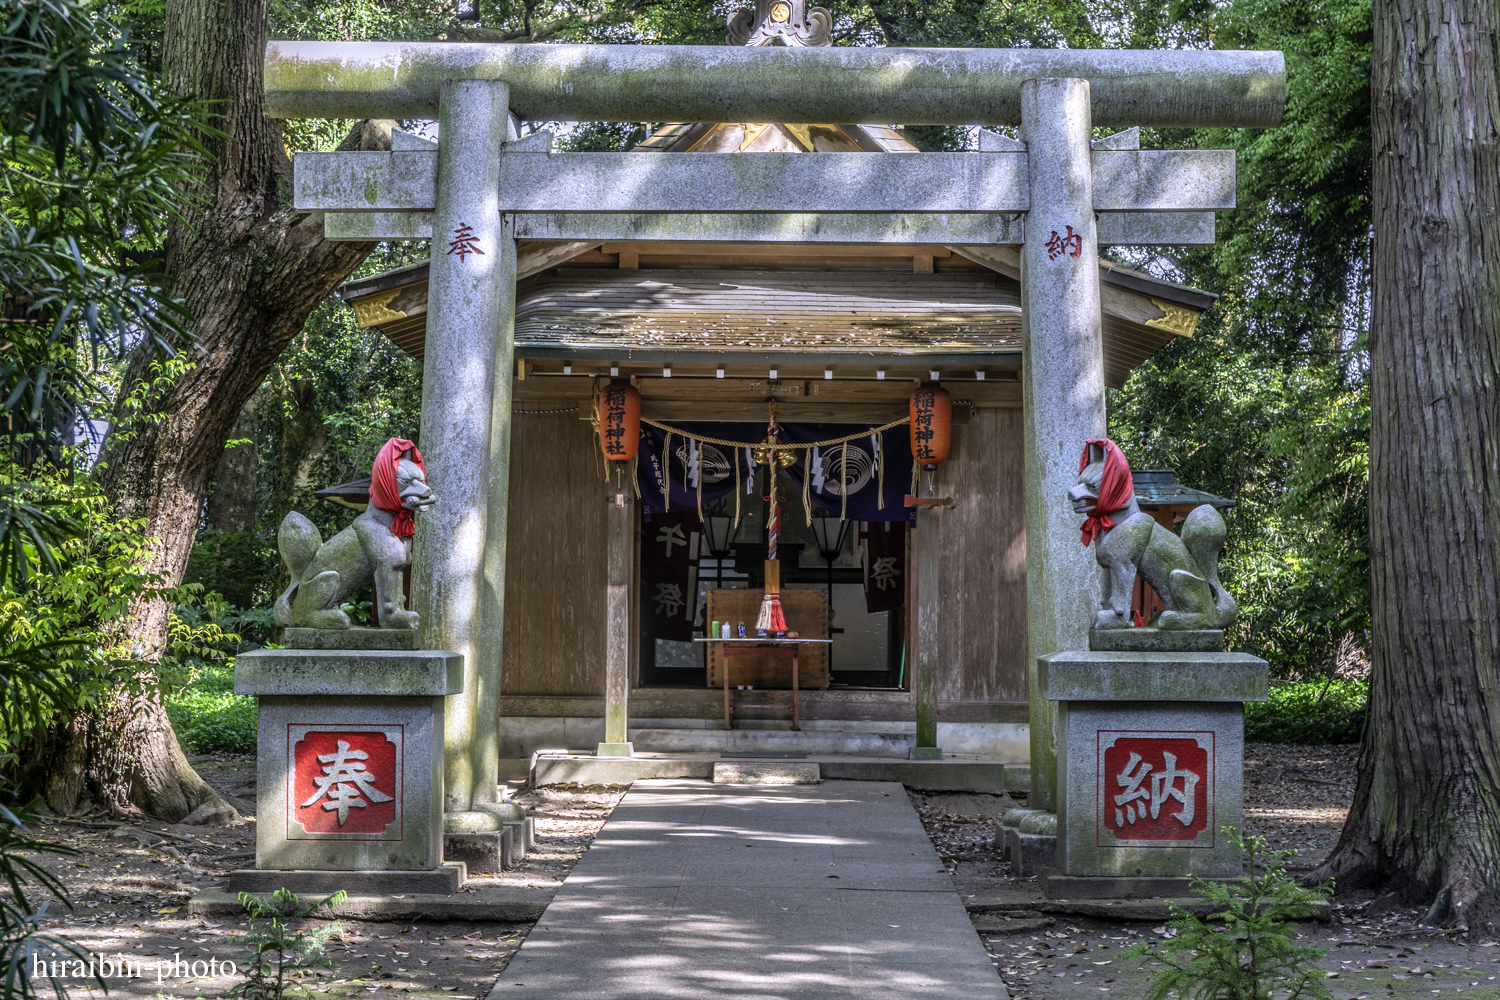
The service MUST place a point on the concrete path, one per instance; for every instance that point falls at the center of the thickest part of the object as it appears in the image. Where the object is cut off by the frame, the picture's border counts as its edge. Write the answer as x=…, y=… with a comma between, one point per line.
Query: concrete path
x=741, y=892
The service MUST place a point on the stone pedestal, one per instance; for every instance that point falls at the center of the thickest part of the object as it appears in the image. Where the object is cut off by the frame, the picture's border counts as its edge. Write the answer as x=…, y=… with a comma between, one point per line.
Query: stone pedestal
x=489, y=838
x=350, y=769
x=1029, y=841
x=1150, y=757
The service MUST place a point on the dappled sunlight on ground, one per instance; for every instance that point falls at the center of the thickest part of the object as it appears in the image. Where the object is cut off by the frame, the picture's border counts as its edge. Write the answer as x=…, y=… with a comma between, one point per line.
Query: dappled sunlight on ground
x=131, y=885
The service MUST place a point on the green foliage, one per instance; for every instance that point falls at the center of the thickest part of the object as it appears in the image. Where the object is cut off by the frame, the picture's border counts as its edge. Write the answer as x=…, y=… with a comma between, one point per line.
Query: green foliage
x=601, y=137
x=255, y=627
x=92, y=158
x=1297, y=249
x=32, y=522
x=1269, y=403
x=92, y=162
x=197, y=672
x=276, y=948
x=1310, y=713
x=23, y=941
x=939, y=138
x=1288, y=442
x=357, y=20
x=241, y=566
x=209, y=717
x=57, y=655
x=1244, y=949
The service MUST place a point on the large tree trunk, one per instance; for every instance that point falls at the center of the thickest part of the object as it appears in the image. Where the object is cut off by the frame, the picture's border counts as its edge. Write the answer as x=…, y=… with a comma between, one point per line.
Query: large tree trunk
x=1425, y=823
x=250, y=271
x=235, y=493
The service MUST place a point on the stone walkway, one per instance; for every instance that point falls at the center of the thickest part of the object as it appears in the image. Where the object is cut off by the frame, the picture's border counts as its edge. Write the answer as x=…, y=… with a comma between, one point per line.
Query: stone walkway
x=737, y=892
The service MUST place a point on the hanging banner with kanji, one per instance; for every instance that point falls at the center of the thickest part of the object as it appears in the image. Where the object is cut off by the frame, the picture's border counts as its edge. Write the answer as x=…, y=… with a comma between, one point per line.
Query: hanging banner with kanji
x=884, y=546
x=669, y=574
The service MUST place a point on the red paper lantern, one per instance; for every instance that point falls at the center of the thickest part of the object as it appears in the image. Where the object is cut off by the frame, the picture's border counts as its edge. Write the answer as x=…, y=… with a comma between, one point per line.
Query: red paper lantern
x=620, y=421
x=931, y=413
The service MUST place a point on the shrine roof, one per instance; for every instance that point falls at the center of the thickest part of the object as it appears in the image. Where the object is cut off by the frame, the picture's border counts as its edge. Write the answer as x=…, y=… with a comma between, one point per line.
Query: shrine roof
x=1160, y=488
x=708, y=302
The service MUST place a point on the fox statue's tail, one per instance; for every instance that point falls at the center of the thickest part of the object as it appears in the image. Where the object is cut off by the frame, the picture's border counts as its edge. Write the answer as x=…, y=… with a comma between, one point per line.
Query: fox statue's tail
x=1203, y=535
x=299, y=540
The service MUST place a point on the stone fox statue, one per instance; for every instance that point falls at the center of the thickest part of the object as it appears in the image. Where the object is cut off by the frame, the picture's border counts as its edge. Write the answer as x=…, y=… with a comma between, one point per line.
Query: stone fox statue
x=375, y=548
x=1184, y=569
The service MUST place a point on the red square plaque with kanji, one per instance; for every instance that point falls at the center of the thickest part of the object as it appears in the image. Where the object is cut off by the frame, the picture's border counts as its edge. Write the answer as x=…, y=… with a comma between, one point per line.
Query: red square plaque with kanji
x=1156, y=788
x=345, y=782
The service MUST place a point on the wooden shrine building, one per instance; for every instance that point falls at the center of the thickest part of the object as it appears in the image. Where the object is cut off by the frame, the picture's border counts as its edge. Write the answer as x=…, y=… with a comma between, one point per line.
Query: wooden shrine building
x=838, y=336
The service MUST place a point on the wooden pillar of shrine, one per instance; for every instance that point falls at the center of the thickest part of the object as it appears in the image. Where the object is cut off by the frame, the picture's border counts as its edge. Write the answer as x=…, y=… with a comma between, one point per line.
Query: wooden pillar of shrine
x=617, y=633
x=925, y=650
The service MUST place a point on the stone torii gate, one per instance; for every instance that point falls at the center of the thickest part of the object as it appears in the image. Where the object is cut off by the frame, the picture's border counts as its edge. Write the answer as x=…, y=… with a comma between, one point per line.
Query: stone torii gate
x=1053, y=193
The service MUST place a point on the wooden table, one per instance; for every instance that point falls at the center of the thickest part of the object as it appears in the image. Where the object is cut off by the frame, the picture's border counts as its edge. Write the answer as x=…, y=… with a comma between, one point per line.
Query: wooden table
x=764, y=647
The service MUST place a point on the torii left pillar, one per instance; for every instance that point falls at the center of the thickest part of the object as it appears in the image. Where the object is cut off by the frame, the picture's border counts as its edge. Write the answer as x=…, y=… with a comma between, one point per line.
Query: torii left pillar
x=458, y=583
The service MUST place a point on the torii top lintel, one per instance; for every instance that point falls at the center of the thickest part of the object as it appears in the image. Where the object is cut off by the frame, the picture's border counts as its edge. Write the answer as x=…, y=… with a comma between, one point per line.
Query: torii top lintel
x=1174, y=88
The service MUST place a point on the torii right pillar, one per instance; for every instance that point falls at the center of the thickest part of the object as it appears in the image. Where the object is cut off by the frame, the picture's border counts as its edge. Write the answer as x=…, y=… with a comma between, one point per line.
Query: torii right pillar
x=1062, y=381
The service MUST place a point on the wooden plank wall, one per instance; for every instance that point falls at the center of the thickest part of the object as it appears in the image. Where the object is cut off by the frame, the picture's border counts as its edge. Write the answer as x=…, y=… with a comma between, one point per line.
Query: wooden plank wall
x=555, y=584
x=555, y=559
x=983, y=564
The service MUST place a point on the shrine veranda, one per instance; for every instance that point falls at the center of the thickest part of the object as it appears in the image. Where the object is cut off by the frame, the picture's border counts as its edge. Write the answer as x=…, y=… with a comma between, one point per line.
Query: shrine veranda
x=1034, y=210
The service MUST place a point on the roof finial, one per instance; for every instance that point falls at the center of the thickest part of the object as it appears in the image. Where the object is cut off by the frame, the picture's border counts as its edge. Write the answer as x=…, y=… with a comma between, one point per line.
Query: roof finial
x=789, y=21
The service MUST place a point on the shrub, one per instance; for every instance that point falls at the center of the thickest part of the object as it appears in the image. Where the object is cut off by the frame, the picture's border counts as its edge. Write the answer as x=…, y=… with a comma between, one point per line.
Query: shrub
x=1244, y=949
x=239, y=565
x=1310, y=713
x=276, y=949
x=58, y=652
x=209, y=717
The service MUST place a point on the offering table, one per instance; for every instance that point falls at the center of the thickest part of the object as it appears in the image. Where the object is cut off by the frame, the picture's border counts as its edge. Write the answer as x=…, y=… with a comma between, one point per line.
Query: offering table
x=764, y=646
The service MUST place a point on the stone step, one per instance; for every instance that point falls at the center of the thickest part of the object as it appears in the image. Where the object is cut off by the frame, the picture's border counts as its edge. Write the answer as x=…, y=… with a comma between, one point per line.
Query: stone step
x=481, y=901
x=1058, y=886
x=446, y=878
x=767, y=772
x=970, y=775
x=772, y=741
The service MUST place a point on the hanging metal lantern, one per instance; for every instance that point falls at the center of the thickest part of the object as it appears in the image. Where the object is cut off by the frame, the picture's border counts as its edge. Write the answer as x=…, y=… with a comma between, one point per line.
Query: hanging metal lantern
x=931, y=412
x=619, y=421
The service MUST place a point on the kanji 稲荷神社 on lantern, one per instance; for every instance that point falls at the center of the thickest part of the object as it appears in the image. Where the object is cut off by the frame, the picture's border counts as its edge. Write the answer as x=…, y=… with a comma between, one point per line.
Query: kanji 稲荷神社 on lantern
x=931, y=411
x=619, y=421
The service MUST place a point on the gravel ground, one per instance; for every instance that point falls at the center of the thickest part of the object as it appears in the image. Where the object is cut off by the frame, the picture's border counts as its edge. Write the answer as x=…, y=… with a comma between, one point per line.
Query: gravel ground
x=130, y=886
x=1296, y=797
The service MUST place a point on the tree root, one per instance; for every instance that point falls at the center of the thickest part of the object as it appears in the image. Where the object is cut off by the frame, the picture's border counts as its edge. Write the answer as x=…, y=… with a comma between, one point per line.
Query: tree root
x=1457, y=903
x=1437, y=913
x=127, y=759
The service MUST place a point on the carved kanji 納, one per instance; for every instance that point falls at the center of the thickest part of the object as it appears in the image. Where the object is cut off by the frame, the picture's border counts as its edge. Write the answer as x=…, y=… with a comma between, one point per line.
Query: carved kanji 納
x=1070, y=244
